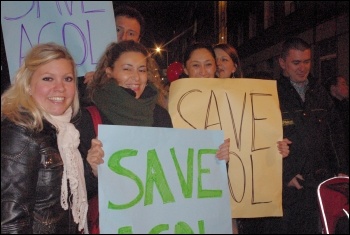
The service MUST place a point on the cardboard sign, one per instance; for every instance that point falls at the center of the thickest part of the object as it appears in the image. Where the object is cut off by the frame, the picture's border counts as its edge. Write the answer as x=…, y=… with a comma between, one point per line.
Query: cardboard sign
x=85, y=28
x=162, y=180
x=247, y=110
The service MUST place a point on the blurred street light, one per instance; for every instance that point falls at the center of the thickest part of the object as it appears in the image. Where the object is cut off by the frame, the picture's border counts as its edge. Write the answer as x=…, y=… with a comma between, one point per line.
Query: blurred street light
x=159, y=50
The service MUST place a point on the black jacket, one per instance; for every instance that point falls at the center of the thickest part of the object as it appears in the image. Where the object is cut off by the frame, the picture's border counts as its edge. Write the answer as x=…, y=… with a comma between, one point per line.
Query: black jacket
x=342, y=106
x=318, y=148
x=31, y=178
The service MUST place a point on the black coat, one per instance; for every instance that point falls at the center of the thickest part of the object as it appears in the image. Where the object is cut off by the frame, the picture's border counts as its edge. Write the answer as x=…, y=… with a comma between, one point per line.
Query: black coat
x=31, y=178
x=342, y=107
x=314, y=127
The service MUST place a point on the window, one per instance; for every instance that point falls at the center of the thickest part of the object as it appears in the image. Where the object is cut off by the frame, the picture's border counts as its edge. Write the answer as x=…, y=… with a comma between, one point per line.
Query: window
x=289, y=7
x=269, y=17
x=252, y=25
x=240, y=34
x=327, y=50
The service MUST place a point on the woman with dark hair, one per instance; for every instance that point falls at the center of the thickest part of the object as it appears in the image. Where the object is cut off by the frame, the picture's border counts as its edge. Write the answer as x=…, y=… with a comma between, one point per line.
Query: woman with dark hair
x=227, y=61
x=199, y=61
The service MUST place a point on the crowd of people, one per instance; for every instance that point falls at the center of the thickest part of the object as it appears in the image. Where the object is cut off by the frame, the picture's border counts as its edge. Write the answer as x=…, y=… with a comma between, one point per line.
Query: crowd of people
x=49, y=139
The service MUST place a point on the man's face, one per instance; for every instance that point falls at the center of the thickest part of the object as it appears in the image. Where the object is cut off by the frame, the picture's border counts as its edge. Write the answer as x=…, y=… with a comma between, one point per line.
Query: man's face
x=341, y=90
x=296, y=65
x=127, y=29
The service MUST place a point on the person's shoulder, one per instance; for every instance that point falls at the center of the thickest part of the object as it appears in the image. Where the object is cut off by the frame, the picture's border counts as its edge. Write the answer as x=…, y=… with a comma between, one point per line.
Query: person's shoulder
x=316, y=85
x=283, y=83
x=8, y=127
x=282, y=79
x=159, y=110
x=82, y=119
x=17, y=140
x=161, y=117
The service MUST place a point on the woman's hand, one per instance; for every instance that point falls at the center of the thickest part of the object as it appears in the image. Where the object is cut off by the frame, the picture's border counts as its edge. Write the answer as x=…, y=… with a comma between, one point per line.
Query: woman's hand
x=295, y=182
x=223, y=152
x=95, y=155
x=283, y=147
x=89, y=76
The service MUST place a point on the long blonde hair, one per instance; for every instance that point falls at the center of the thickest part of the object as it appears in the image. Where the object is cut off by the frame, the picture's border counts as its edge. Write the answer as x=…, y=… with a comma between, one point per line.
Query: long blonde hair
x=17, y=104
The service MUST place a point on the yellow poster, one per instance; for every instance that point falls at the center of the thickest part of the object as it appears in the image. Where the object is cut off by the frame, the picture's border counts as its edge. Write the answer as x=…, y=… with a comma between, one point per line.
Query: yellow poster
x=248, y=112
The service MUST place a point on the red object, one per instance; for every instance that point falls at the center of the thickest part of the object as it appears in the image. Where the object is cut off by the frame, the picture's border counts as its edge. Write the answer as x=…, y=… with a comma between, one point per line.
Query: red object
x=333, y=200
x=174, y=71
x=93, y=216
x=93, y=212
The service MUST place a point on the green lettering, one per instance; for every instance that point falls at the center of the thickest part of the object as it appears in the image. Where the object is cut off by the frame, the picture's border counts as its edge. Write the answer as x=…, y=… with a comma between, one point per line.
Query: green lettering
x=125, y=230
x=187, y=188
x=114, y=165
x=159, y=228
x=183, y=228
x=155, y=175
x=205, y=193
x=201, y=227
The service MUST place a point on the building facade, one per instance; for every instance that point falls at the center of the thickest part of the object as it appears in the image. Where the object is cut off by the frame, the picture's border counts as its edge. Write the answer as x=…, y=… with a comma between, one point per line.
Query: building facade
x=258, y=28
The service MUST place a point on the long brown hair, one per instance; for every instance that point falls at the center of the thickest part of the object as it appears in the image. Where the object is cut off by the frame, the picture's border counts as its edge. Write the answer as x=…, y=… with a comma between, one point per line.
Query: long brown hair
x=232, y=52
x=112, y=54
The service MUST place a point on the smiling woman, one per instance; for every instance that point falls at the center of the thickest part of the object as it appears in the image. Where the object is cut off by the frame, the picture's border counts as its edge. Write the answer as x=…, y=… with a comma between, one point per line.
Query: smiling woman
x=199, y=61
x=53, y=86
x=39, y=147
x=126, y=64
x=126, y=90
x=45, y=84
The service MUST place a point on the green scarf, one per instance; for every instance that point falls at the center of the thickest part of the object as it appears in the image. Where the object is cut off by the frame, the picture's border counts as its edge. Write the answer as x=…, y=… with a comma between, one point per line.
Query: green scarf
x=121, y=108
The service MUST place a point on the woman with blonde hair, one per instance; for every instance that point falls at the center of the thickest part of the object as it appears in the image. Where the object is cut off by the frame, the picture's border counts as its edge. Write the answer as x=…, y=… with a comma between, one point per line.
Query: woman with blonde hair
x=42, y=175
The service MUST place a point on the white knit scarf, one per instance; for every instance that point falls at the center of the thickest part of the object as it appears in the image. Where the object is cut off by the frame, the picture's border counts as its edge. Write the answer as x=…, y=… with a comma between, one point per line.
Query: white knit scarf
x=68, y=139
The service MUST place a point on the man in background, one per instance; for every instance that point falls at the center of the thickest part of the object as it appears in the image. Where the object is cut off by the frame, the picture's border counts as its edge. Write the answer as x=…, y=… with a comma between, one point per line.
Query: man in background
x=312, y=123
x=130, y=25
x=338, y=88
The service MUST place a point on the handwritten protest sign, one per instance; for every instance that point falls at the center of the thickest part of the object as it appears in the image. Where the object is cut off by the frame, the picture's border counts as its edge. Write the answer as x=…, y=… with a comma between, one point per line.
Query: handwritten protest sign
x=248, y=112
x=162, y=180
x=85, y=28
